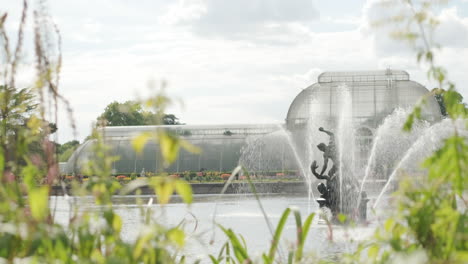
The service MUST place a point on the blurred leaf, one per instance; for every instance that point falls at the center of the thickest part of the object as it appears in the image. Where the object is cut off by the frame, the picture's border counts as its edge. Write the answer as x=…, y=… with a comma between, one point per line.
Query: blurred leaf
x=169, y=145
x=342, y=218
x=277, y=235
x=306, y=227
x=117, y=223
x=34, y=124
x=140, y=245
x=140, y=141
x=213, y=260
x=189, y=147
x=177, y=236
x=239, y=251
x=373, y=251
x=184, y=190
x=29, y=172
x=389, y=224
x=38, y=202
x=163, y=187
x=2, y=162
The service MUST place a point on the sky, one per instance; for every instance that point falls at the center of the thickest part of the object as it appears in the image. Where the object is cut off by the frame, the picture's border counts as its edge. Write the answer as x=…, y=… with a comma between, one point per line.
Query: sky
x=229, y=62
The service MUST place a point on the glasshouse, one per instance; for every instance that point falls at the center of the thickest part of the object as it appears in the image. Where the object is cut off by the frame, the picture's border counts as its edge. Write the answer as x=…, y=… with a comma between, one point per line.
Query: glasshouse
x=220, y=148
x=372, y=96
x=353, y=104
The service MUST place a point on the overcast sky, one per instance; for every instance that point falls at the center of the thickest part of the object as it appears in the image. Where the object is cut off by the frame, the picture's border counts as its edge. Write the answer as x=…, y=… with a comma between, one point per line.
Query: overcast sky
x=239, y=61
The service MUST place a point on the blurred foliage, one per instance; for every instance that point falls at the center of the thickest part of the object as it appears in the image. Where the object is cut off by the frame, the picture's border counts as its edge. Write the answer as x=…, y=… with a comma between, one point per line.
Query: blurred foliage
x=430, y=224
x=28, y=231
x=132, y=113
x=431, y=221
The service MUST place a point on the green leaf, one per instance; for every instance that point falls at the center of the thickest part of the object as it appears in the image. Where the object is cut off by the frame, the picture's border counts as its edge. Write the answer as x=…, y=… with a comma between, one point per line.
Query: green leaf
x=163, y=187
x=177, y=236
x=184, y=190
x=239, y=251
x=300, y=233
x=169, y=145
x=389, y=224
x=140, y=141
x=140, y=244
x=213, y=260
x=189, y=147
x=306, y=227
x=38, y=202
x=117, y=223
x=277, y=235
x=342, y=218
x=28, y=173
x=224, y=247
x=373, y=251
x=2, y=162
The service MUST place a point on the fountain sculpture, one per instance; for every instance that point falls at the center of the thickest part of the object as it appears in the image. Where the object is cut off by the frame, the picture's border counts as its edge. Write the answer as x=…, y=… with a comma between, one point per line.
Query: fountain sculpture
x=336, y=188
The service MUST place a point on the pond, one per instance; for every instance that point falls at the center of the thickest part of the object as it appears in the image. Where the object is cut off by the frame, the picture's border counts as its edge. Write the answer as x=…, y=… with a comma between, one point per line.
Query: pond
x=240, y=212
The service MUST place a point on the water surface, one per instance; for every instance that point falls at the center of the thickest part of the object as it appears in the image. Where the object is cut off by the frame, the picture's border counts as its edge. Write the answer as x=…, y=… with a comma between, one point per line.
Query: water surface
x=237, y=211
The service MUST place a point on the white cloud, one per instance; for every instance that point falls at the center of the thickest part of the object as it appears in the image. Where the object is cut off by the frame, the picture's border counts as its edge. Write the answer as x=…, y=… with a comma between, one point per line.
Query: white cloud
x=184, y=11
x=452, y=30
x=297, y=81
x=451, y=34
x=244, y=19
x=398, y=62
x=229, y=61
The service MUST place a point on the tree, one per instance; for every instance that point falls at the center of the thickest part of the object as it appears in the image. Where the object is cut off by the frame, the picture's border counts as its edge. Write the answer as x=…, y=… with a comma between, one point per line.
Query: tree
x=131, y=113
x=66, y=150
x=170, y=119
x=16, y=112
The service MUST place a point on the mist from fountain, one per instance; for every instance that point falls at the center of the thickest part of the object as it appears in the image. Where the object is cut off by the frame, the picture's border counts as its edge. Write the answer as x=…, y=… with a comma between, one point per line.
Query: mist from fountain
x=431, y=140
x=261, y=154
x=345, y=140
x=303, y=167
x=389, y=145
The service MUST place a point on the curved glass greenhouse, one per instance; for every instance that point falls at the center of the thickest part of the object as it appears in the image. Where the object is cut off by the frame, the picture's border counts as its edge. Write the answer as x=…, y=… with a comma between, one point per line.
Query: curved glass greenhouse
x=350, y=103
x=353, y=105
x=373, y=96
x=220, y=146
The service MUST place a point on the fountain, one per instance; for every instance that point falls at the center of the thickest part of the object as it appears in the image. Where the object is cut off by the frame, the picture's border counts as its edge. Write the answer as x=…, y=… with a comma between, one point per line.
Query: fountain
x=362, y=115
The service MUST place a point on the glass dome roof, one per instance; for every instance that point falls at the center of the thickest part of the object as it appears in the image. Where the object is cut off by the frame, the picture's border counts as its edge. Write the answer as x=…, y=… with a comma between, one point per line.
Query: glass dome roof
x=374, y=95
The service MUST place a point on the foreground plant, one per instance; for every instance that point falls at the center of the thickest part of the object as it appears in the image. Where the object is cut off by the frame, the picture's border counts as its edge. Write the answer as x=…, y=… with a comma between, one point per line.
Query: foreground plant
x=236, y=250
x=28, y=168
x=431, y=222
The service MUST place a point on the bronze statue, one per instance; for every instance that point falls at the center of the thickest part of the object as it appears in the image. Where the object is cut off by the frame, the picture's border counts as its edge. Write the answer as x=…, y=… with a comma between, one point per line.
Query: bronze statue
x=329, y=153
x=331, y=191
